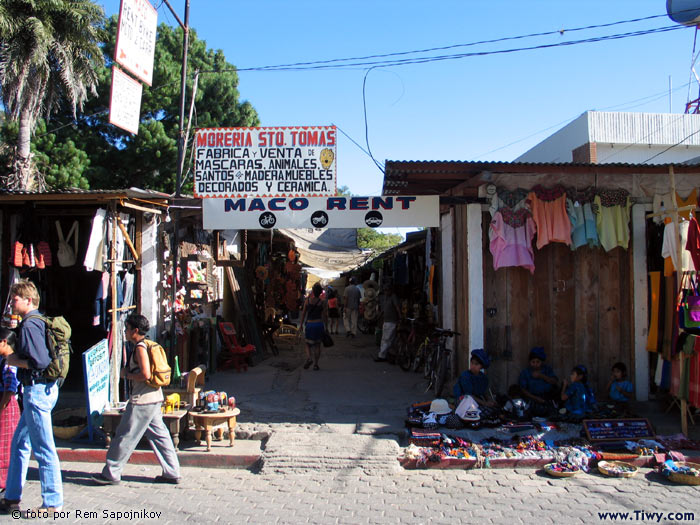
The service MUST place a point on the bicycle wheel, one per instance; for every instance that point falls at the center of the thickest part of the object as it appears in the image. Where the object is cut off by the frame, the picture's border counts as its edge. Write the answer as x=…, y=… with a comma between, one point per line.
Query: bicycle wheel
x=429, y=362
x=418, y=357
x=403, y=355
x=441, y=373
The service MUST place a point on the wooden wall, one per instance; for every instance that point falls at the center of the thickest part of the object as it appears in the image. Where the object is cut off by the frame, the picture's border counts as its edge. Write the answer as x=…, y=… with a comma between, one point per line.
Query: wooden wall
x=577, y=305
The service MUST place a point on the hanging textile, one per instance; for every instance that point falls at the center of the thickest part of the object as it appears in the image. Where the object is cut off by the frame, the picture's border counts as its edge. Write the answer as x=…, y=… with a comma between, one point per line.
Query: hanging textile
x=93, y=256
x=663, y=202
x=510, y=239
x=548, y=208
x=693, y=241
x=515, y=200
x=670, y=245
x=612, y=209
x=579, y=207
x=655, y=293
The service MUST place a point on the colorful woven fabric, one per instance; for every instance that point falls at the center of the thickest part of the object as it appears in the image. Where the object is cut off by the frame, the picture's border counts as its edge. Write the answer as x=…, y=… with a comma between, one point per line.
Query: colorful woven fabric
x=609, y=198
x=515, y=219
x=9, y=418
x=548, y=194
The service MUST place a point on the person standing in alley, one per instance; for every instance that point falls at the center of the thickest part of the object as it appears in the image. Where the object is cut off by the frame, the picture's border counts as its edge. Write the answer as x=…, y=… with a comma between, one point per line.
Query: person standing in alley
x=351, y=308
x=391, y=314
x=142, y=415
x=315, y=315
x=34, y=432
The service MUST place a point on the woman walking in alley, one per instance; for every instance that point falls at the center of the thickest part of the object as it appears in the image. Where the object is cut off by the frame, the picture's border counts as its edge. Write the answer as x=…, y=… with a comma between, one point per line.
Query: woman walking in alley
x=315, y=313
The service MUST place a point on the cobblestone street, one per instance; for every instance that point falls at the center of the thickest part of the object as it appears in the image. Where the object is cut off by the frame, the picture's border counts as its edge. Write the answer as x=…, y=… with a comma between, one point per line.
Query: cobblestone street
x=371, y=496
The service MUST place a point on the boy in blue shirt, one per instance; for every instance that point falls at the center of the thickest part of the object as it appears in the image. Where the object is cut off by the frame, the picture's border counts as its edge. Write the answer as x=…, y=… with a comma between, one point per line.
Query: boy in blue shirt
x=620, y=389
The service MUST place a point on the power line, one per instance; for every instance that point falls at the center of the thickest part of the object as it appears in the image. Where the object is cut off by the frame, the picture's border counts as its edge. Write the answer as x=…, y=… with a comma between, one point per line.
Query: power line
x=671, y=147
x=454, y=46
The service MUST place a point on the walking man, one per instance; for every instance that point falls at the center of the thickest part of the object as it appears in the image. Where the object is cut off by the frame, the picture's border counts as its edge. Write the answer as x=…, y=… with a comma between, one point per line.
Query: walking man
x=34, y=432
x=351, y=308
x=142, y=415
x=391, y=313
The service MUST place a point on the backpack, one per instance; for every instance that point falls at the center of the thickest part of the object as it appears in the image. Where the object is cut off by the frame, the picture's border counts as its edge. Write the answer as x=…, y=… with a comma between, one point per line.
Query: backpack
x=58, y=334
x=160, y=370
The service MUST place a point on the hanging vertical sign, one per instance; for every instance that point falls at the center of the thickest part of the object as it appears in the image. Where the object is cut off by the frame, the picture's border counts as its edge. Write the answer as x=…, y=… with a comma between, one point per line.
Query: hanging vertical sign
x=125, y=101
x=96, y=375
x=136, y=38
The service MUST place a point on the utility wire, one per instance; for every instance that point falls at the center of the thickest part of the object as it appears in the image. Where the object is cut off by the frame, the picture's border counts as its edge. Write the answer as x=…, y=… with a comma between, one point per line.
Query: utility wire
x=454, y=46
x=671, y=147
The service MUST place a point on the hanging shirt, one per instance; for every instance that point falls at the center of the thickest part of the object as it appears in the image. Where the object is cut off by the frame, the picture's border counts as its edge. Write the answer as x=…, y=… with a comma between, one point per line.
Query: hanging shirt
x=665, y=202
x=692, y=244
x=580, y=210
x=670, y=245
x=515, y=200
x=510, y=236
x=93, y=255
x=548, y=208
x=612, y=209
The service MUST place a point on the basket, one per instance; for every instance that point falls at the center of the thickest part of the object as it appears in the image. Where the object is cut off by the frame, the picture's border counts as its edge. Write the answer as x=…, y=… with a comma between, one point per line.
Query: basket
x=548, y=468
x=68, y=432
x=685, y=479
x=608, y=468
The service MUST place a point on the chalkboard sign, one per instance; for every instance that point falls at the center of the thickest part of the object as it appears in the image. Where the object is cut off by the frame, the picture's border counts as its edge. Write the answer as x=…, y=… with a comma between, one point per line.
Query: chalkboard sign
x=96, y=374
x=618, y=429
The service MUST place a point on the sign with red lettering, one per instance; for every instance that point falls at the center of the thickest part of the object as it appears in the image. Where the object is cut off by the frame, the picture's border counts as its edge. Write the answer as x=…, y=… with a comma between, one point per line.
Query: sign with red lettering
x=256, y=213
x=298, y=161
x=125, y=101
x=136, y=38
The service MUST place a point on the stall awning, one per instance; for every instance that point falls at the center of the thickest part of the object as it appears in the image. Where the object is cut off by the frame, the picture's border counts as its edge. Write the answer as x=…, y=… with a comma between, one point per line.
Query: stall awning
x=333, y=249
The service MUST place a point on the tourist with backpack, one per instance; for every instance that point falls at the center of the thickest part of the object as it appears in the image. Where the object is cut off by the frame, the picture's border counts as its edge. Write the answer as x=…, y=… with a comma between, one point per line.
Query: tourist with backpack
x=34, y=432
x=142, y=414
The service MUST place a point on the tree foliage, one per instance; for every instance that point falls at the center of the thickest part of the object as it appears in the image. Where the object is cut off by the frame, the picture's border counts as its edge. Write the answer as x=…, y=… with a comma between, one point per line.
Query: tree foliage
x=48, y=56
x=118, y=159
x=368, y=238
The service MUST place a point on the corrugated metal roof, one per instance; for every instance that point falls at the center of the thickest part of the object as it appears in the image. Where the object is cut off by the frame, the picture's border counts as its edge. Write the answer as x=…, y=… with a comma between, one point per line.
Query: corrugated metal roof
x=644, y=128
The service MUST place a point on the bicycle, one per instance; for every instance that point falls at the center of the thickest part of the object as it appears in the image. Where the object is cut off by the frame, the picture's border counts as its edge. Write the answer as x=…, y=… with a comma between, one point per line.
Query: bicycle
x=405, y=344
x=438, y=362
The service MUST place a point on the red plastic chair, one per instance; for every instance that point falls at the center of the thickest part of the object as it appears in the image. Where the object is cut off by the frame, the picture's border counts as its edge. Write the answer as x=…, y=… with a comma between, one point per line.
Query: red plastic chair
x=234, y=355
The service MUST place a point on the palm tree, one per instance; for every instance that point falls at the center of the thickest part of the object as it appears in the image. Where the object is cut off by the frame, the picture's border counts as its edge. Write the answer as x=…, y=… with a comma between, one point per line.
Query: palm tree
x=49, y=53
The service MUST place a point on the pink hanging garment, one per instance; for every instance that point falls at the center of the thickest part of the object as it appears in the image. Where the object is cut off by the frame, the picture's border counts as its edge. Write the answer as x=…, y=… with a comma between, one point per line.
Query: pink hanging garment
x=511, y=233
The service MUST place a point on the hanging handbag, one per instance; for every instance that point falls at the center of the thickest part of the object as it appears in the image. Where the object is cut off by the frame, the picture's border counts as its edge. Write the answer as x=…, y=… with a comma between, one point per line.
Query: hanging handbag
x=689, y=305
x=67, y=255
x=327, y=340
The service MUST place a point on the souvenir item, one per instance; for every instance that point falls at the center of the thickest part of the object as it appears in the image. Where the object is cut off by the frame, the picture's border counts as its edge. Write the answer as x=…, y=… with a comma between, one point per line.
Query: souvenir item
x=561, y=469
x=617, y=469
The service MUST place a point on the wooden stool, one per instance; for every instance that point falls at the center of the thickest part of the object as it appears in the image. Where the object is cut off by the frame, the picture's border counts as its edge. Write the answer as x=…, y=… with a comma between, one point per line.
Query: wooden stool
x=205, y=421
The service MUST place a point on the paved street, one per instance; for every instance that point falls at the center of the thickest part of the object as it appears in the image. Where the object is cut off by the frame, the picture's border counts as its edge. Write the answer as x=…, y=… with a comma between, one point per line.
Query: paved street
x=331, y=438
x=358, y=496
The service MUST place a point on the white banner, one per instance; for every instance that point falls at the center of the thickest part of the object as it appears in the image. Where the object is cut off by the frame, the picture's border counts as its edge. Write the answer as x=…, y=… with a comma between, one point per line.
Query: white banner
x=265, y=162
x=125, y=101
x=321, y=212
x=136, y=38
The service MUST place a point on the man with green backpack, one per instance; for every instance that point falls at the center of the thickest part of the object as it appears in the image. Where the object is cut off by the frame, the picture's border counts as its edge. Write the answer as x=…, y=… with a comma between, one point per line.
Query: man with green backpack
x=147, y=374
x=34, y=432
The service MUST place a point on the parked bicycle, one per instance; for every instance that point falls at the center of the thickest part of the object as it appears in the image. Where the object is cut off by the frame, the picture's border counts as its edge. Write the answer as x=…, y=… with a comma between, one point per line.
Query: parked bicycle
x=438, y=360
x=406, y=343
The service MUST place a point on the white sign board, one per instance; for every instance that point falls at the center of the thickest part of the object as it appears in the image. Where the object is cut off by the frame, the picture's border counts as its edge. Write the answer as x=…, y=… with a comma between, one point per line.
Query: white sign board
x=96, y=375
x=125, y=101
x=265, y=162
x=136, y=38
x=320, y=212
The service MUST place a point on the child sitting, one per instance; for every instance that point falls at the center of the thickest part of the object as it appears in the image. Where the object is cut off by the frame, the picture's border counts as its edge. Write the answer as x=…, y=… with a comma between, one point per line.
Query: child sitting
x=620, y=389
x=577, y=394
x=538, y=383
x=473, y=382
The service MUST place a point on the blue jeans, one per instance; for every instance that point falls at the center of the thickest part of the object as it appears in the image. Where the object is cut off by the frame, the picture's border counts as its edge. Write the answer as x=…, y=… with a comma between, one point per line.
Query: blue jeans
x=35, y=433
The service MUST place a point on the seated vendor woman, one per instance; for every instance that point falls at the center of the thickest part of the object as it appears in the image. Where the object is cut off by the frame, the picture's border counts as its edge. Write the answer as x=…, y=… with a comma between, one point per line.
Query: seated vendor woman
x=538, y=382
x=473, y=382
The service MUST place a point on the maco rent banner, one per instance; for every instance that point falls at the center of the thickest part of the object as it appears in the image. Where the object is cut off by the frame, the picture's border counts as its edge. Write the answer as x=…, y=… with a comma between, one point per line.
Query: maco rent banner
x=265, y=162
x=254, y=213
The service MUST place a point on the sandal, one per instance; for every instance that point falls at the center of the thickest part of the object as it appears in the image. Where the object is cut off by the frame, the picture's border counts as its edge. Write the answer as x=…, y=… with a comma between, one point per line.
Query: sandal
x=307, y=364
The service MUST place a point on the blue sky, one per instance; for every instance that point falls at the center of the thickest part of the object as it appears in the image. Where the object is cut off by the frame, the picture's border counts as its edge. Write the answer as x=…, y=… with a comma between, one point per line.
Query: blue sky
x=491, y=107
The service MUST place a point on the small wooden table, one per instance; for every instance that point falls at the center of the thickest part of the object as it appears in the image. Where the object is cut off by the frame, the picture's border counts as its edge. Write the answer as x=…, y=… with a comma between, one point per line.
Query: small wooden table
x=205, y=421
x=112, y=417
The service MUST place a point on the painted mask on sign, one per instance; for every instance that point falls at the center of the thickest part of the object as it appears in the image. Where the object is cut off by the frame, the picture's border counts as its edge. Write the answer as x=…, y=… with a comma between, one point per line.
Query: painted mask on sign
x=326, y=158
